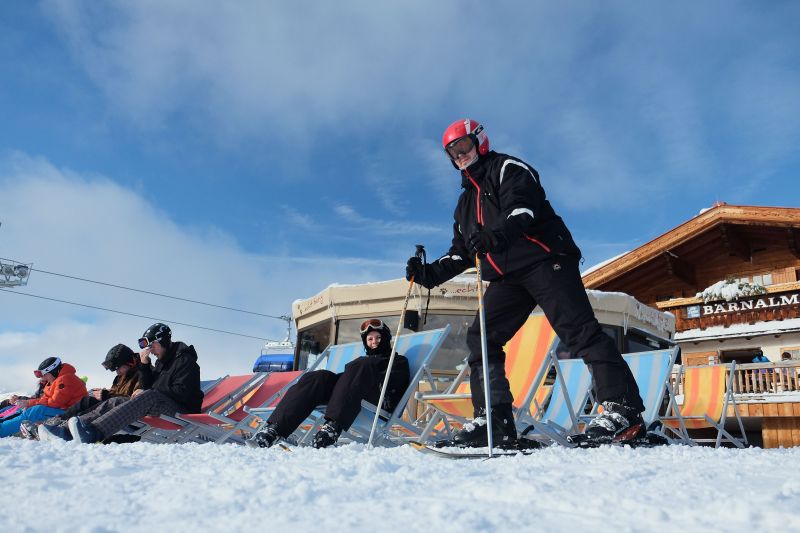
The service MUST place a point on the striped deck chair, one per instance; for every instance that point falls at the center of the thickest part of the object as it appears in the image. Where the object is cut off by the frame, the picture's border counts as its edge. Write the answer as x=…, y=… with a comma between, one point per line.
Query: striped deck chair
x=569, y=395
x=526, y=368
x=234, y=423
x=707, y=395
x=219, y=395
x=653, y=372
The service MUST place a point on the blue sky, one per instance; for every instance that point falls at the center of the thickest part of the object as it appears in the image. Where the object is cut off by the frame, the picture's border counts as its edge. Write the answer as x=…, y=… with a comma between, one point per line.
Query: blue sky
x=251, y=153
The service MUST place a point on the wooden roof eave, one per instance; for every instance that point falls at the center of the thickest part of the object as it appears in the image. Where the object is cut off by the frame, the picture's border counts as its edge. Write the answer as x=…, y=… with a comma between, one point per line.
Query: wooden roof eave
x=744, y=215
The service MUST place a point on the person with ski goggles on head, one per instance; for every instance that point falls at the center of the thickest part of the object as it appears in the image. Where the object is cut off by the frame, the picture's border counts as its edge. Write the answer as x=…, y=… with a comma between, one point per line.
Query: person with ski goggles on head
x=529, y=257
x=63, y=389
x=342, y=393
x=124, y=363
x=170, y=385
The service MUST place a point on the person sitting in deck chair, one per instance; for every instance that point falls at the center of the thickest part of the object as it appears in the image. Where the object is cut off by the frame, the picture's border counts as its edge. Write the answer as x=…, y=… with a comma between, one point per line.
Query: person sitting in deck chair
x=170, y=386
x=121, y=360
x=362, y=379
x=63, y=389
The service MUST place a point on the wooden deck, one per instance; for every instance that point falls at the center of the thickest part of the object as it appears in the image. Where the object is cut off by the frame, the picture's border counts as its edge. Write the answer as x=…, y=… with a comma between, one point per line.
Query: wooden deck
x=780, y=421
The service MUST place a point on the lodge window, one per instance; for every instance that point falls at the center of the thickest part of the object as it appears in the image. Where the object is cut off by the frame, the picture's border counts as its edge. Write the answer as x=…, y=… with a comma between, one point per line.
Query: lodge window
x=763, y=279
x=745, y=355
x=757, y=279
x=794, y=351
x=311, y=343
x=637, y=341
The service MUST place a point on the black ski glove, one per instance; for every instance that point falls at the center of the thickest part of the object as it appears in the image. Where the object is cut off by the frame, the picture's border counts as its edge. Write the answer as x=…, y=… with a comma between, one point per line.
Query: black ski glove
x=422, y=273
x=485, y=241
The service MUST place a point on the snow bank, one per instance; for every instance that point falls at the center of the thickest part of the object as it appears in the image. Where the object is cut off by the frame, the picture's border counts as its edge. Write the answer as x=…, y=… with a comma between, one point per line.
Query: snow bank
x=144, y=487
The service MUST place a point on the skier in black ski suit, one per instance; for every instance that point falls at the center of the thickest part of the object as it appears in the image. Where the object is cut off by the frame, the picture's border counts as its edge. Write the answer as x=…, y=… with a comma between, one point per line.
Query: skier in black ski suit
x=362, y=379
x=528, y=255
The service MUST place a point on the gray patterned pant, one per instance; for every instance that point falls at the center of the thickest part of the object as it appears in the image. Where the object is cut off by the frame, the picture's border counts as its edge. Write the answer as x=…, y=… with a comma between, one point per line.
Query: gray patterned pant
x=116, y=413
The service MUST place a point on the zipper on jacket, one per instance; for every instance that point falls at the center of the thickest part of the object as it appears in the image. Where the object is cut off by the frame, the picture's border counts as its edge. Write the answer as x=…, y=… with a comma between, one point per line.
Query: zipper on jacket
x=479, y=211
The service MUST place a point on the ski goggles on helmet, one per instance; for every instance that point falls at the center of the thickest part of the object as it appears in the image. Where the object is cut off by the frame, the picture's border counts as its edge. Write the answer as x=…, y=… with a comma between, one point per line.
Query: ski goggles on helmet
x=144, y=342
x=372, y=323
x=49, y=368
x=461, y=146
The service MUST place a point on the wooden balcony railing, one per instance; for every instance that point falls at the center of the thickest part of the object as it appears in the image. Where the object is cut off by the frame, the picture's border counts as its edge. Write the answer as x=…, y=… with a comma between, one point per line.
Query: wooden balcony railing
x=761, y=379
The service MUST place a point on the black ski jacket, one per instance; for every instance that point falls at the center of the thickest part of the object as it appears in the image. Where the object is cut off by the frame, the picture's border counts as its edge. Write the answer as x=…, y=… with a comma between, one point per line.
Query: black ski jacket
x=177, y=375
x=398, y=378
x=503, y=195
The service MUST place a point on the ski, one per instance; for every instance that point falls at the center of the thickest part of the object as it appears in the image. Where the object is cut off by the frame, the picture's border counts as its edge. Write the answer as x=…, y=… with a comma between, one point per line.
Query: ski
x=454, y=452
x=648, y=440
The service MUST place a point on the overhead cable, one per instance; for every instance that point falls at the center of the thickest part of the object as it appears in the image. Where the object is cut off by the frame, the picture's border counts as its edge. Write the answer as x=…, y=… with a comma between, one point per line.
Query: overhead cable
x=135, y=315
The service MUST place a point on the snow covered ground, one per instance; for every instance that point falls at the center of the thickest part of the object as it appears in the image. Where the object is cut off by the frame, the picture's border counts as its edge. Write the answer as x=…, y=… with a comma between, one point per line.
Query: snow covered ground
x=143, y=487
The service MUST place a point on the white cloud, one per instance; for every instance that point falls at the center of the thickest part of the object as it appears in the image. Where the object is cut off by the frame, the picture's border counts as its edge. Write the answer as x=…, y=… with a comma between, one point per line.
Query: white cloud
x=90, y=227
x=384, y=227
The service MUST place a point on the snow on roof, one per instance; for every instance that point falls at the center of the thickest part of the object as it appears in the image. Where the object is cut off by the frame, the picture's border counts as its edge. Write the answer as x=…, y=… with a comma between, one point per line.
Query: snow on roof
x=739, y=330
x=602, y=264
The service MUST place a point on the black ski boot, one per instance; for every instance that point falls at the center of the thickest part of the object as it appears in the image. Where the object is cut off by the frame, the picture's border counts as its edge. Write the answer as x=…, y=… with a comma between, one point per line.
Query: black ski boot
x=264, y=438
x=504, y=432
x=617, y=424
x=29, y=430
x=327, y=435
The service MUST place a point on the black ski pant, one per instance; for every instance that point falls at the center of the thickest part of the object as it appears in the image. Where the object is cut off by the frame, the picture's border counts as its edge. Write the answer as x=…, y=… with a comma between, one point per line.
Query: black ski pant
x=556, y=286
x=341, y=393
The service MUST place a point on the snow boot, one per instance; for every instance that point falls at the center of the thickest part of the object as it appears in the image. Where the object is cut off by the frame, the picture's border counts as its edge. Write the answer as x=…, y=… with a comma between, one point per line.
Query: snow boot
x=83, y=433
x=327, y=435
x=29, y=430
x=265, y=438
x=618, y=423
x=504, y=431
x=54, y=432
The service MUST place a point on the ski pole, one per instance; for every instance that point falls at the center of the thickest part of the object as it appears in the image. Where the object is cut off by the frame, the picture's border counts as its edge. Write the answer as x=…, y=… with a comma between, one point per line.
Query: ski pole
x=420, y=251
x=484, y=355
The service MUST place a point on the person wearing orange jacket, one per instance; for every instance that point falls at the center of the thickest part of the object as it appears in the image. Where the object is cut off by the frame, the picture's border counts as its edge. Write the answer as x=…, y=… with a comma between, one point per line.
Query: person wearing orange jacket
x=63, y=389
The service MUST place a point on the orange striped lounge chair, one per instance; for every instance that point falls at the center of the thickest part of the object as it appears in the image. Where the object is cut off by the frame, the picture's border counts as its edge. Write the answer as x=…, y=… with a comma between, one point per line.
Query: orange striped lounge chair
x=526, y=368
x=707, y=395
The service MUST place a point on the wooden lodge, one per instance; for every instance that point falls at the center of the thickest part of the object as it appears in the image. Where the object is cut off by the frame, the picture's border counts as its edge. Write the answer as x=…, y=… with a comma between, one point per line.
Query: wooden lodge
x=745, y=260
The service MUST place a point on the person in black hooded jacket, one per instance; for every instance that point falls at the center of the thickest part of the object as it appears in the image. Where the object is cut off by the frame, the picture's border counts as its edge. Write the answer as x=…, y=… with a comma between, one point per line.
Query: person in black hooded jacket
x=528, y=254
x=171, y=385
x=342, y=393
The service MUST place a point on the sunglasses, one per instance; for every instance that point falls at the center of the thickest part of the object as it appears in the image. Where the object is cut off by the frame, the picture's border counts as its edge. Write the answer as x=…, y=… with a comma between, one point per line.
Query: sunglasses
x=38, y=374
x=374, y=323
x=459, y=147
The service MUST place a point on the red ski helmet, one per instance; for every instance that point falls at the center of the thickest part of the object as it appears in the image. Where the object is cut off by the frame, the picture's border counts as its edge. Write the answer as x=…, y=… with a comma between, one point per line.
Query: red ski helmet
x=466, y=127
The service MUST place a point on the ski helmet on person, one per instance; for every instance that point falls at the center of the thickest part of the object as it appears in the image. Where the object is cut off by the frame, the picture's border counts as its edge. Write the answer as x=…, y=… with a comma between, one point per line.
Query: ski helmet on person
x=51, y=365
x=462, y=128
x=117, y=356
x=376, y=324
x=157, y=332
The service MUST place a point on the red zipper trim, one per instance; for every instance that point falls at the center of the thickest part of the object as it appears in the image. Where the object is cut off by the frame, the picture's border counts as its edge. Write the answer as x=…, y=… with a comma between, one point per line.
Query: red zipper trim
x=546, y=249
x=478, y=209
x=489, y=257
